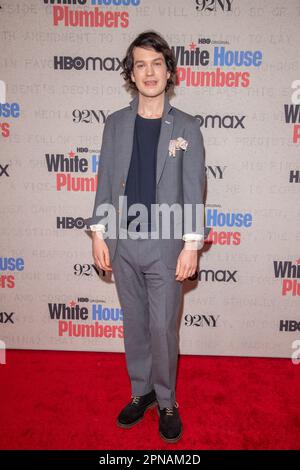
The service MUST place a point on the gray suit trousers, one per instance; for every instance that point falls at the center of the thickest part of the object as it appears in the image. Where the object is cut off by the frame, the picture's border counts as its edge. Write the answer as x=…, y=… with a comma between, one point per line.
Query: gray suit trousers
x=150, y=298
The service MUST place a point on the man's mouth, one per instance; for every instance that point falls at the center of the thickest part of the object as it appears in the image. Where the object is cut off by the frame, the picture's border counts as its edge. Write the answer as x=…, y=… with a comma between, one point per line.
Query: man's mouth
x=150, y=82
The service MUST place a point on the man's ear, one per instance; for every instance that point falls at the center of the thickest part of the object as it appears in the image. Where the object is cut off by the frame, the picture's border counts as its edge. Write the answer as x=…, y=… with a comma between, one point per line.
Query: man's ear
x=132, y=77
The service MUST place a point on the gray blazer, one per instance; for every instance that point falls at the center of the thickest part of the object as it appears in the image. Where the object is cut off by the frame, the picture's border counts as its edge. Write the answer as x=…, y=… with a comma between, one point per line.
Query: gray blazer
x=179, y=179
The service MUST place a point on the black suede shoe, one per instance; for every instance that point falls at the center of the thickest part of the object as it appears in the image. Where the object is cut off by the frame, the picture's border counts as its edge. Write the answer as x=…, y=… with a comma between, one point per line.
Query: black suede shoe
x=134, y=411
x=170, y=425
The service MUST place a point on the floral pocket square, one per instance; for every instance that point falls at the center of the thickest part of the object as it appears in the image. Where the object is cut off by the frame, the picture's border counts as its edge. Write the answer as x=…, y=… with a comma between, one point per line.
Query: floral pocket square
x=177, y=144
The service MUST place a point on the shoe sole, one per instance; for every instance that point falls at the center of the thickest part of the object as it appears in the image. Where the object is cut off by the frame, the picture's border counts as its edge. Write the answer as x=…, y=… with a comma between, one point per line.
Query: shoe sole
x=172, y=440
x=128, y=426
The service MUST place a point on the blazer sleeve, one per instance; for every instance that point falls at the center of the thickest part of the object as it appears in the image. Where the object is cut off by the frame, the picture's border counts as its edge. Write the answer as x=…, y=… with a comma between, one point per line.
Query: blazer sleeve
x=193, y=177
x=105, y=166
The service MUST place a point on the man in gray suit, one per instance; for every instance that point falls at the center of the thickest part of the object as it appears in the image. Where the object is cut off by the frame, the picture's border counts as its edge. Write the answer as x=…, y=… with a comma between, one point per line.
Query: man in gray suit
x=152, y=156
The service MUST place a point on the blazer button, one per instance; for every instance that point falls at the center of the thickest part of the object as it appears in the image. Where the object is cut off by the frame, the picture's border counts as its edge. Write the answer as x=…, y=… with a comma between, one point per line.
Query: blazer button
x=123, y=184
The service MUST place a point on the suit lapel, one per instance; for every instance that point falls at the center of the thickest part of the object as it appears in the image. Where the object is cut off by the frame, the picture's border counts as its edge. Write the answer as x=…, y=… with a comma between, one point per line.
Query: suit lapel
x=163, y=142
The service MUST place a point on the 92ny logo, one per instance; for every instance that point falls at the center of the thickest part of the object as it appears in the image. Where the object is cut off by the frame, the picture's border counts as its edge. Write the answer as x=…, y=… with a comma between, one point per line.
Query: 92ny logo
x=296, y=354
x=2, y=352
x=214, y=5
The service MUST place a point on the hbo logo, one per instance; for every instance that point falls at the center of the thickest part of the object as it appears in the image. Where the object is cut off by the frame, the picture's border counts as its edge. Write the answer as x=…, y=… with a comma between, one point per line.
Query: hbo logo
x=70, y=222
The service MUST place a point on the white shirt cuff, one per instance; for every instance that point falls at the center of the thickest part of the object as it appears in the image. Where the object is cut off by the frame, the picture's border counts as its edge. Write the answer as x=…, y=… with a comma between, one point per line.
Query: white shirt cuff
x=194, y=237
x=97, y=228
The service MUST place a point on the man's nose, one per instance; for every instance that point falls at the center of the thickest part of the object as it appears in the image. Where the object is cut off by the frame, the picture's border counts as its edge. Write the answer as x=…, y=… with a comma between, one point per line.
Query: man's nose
x=149, y=70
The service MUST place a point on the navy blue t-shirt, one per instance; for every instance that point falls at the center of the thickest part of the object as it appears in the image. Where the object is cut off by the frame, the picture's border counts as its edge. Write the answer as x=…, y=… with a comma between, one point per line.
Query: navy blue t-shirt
x=141, y=179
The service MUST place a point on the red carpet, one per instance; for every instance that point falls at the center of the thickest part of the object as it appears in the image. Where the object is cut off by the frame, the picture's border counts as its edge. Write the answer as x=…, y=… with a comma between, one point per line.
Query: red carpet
x=69, y=400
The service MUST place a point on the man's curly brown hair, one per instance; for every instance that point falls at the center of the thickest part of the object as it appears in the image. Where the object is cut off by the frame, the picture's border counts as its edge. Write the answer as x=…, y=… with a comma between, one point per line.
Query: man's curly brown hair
x=149, y=39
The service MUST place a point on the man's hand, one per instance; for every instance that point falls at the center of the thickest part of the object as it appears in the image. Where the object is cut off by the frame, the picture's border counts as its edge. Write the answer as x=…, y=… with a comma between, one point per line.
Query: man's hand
x=187, y=261
x=100, y=253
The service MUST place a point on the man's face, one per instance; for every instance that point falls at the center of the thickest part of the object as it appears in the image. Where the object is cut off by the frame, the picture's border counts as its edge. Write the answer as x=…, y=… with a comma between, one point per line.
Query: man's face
x=150, y=72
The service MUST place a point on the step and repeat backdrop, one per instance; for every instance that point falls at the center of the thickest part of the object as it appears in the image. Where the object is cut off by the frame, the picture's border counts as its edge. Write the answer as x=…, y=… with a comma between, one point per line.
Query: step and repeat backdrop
x=238, y=73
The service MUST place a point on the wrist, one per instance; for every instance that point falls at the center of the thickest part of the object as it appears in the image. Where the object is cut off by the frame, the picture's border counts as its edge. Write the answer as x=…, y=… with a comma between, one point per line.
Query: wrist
x=97, y=235
x=193, y=245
